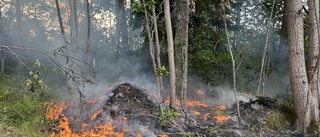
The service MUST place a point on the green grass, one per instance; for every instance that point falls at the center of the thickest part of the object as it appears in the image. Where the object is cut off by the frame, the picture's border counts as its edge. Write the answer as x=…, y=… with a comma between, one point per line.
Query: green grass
x=21, y=112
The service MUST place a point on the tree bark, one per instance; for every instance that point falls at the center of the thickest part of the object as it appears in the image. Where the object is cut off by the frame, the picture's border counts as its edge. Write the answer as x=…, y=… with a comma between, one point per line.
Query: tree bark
x=151, y=46
x=224, y=4
x=297, y=66
x=155, y=25
x=181, y=43
x=172, y=72
x=88, y=40
x=61, y=24
x=265, y=51
x=2, y=53
x=283, y=44
x=313, y=52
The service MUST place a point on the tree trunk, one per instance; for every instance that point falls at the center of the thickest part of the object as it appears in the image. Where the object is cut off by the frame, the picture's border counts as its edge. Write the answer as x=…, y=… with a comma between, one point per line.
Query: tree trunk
x=155, y=25
x=265, y=51
x=151, y=47
x=297, y=66
x=237, y=35
x=75, y=17
x=224, y=4
x=2, y=53
x=313, y=52
x=283, y=44
x=172, y=72
x=124, y=26
x=88, y=40
x=181, y=42
x=61, y=24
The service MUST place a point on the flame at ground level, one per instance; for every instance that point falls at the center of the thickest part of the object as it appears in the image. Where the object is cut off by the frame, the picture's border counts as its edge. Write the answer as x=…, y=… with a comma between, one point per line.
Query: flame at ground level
x=54, y=112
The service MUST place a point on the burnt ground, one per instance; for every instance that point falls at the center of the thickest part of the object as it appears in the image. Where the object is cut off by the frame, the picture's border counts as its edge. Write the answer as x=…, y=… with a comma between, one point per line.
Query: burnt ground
x=133, y=111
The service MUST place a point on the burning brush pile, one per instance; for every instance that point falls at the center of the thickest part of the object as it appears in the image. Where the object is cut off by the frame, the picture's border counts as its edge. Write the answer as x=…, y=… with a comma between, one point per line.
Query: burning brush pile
x=128, y=111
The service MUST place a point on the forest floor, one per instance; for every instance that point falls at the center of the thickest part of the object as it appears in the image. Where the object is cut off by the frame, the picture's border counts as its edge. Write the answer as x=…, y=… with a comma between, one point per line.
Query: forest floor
x=130, y=111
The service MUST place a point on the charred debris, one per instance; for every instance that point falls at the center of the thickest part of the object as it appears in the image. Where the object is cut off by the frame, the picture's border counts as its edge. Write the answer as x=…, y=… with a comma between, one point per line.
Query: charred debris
x=131, y=111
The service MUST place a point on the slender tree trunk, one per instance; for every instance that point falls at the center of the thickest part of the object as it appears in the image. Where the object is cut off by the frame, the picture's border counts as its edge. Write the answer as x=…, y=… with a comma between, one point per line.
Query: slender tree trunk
x=19, y=22
x=172, y=72
x=265, y=51
x=237, y=37
x=88, y=39
x=2, y=53
x=232, y=57
x=283, y=44
x=76, y=26
x=151, y=46
x=155, y=25
x=298, y=73
x=61, y=24
x=124, y=26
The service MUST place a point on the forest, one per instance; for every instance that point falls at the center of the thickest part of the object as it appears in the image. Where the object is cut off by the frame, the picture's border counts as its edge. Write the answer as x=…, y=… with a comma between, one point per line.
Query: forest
x=159, y=68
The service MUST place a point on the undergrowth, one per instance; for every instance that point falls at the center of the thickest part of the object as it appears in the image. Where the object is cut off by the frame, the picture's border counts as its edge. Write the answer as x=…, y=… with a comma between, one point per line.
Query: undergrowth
x=21, y=109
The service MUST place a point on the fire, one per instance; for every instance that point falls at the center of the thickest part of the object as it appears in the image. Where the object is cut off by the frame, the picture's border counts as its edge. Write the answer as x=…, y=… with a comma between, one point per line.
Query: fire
x=138, y=134
x=199, y=92
x=90, y=102
x=222, y=107
x=95, y=115
x=103, y=130
x=221, y=118
x=205, y=117
x=194, y=103
x=197, y=113
x=55, y=112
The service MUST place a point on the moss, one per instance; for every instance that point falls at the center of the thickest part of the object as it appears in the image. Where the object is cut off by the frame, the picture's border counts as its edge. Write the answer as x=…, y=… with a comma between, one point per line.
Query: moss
x=276, y=120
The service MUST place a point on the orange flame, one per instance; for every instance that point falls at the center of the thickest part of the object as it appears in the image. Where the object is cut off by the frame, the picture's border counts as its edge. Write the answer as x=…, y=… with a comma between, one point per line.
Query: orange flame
x=138, y=134
x=95, y=115
x=222, y=107
x=54, y=112
x=199, y=92
x=90, y=102
x=197, y=113
x=221, y=118
x=163, y=135
x=205, y=117
x=194, y=103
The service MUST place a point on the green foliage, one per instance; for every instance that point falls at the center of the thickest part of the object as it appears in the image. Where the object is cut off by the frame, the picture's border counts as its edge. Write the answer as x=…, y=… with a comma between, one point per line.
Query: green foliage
x=276, y=120
x=139, y=7
x=161, y=71
x=208, y=57
x=37, y=82
x=167, y=115
x=20, y=108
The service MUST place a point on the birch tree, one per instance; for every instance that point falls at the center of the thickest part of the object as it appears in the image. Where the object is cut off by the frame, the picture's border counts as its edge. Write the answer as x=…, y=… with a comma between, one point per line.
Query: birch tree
x=172, y=72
